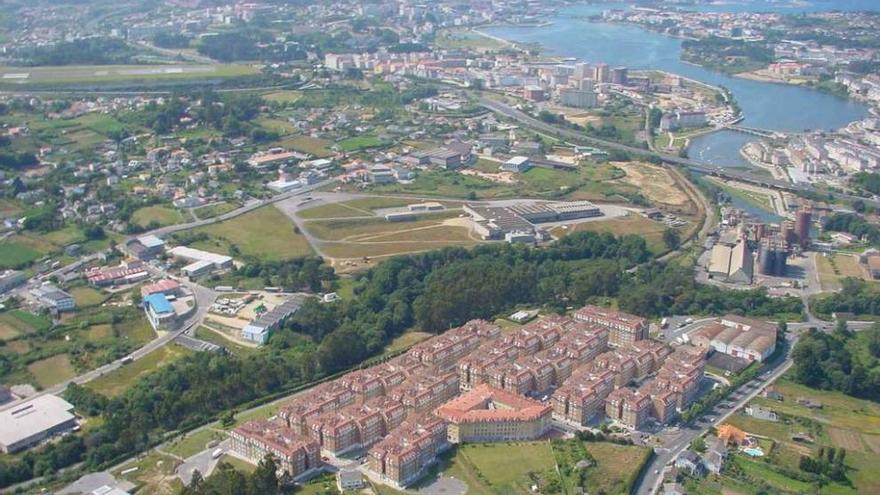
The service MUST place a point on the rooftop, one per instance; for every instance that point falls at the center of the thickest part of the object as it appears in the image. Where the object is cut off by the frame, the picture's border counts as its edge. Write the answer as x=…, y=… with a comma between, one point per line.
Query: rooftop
x=33, y=417
x=486, y=403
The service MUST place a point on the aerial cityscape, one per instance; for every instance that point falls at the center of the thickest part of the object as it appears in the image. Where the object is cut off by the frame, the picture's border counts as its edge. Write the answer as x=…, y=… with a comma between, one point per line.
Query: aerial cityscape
x=456, y=247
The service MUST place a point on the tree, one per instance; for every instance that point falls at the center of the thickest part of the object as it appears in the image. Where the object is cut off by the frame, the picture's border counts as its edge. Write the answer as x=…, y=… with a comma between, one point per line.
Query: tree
x=671, y=238
x=264, y=479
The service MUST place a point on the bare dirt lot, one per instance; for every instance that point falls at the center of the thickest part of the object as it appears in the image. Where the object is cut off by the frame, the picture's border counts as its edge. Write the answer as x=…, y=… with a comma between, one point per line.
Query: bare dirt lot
x=654, y=182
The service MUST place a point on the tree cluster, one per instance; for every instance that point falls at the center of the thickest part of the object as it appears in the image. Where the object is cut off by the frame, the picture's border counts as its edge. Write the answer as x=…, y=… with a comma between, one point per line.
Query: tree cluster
x=839, y=362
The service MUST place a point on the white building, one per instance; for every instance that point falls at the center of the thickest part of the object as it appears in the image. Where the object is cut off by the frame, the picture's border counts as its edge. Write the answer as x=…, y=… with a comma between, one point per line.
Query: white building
x=33, y=421
x=53, y=298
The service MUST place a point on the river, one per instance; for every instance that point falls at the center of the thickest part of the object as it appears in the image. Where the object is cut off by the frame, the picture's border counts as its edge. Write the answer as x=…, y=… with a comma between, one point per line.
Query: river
x=765, y=105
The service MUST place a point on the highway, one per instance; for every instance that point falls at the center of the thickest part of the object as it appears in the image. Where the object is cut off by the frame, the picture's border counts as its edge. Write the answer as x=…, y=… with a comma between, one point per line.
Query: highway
x=695, y=165
x=203, y=295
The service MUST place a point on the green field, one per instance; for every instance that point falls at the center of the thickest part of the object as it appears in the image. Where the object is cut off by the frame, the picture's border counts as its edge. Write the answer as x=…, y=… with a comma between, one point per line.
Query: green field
x=156, y=216
x=307, y=144
x=14, y=254
x=118, y=380
x=53, y=370
x=359, y=143
x=213, y=210
x=15, y=322
x=264, y=233
x=842, y=422
x=87, y=296
x=282, y=96
x=194, y=443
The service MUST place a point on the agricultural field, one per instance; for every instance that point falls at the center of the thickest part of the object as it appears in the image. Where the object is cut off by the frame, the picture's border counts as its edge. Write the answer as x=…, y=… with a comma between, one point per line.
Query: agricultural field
x=15, y=323
x=264, y=233
x=17, y=254
x=272, y=124
x=53, y=370
x=156, y=216
x=117, y=381
x=842, y=422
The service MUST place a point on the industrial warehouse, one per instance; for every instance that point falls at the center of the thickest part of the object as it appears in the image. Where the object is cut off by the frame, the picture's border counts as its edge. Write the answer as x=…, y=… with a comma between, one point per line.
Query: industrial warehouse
x=520, y=219
x=476, y=383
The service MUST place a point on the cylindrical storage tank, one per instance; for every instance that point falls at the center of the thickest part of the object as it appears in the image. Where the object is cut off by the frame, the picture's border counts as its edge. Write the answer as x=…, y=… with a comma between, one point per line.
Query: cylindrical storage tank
x=779, y=259
x=765, y=260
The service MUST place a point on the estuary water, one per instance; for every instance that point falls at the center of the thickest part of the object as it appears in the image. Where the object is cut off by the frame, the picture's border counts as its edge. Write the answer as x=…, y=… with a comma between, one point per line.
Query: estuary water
x=765, y=105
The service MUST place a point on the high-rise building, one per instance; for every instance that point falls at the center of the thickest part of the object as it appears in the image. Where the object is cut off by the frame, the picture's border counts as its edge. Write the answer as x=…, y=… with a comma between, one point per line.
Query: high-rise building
x=802, y=221
x=601, y=73
x=619, y=75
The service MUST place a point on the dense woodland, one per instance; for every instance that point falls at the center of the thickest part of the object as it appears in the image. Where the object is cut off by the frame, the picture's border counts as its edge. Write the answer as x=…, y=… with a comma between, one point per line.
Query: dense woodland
x=433, y=290
x=856, y=296
x=844, y=361
x=88, y=51
x=853, y=224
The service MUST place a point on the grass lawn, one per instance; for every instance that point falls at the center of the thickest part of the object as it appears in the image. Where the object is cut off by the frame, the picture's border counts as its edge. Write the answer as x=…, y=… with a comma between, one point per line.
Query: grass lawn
x=307, y=144
x=360, y=230
x=631, y=224
x=87, y=296
x=118, y=380
x=280, y=126
x=238, y=464
x=49, y=371
x=191, y=445
x=14, y=254
x=834, y=268
x=332, y=210
x=264, y=233
x=506, y=467
x=156, y=215
x=209, y=335
x=359, y=143
x=282, y=96
x=406, y=341
x=214, y=210
x=138, y=330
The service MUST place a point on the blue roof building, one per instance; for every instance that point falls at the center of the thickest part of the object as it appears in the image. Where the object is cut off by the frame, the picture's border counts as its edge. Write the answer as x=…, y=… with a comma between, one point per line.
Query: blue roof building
x=159, y=311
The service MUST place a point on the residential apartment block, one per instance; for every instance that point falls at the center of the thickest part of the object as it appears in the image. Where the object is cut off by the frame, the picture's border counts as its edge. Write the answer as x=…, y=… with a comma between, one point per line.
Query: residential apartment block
x=489, y=414
x=295, y=455
x=624, y=328
x=402, y=457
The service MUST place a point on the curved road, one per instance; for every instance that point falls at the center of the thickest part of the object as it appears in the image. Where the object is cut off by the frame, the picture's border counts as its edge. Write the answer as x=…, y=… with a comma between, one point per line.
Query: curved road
x=698, y=166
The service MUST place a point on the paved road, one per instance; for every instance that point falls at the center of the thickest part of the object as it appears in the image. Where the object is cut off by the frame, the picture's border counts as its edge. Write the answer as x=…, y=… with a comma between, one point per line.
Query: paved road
x=652, y=476
x=203, y=295
x=698, y=166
